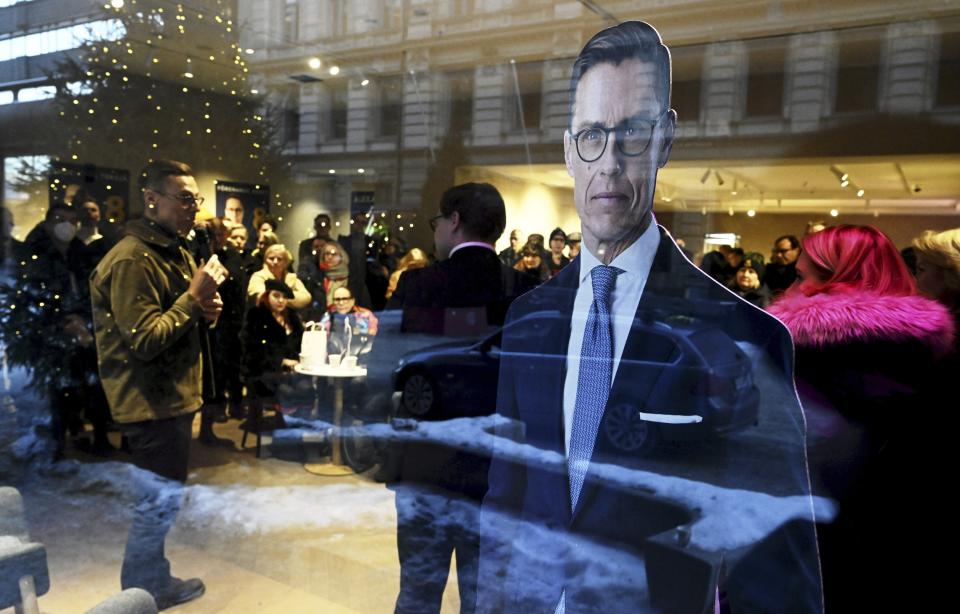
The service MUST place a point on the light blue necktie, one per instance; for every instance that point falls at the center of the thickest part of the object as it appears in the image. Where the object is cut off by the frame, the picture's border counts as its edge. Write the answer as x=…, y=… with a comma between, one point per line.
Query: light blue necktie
x=593, y=381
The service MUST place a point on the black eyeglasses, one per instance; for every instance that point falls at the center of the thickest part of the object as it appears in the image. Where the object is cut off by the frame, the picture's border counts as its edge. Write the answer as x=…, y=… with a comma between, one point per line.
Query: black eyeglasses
x=343, y=300
x=186, y=200
x=633, y=138
x=433, y=221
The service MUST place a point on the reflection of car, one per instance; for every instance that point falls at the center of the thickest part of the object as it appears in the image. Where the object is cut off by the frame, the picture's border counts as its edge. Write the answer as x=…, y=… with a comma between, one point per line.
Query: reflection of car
x=684, y=381
x=450, y=380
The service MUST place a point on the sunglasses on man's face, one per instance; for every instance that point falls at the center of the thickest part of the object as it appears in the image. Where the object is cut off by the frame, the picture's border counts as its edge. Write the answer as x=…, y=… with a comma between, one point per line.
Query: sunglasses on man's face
x=343, y=300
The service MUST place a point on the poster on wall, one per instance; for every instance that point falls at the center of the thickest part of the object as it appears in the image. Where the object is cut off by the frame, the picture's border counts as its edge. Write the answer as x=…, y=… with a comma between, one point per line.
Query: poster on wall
x=109, y=187
x=243, y=203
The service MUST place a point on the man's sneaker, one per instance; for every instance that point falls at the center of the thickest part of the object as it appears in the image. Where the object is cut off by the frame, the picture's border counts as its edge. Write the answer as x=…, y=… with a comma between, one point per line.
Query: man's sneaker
x=179, y=591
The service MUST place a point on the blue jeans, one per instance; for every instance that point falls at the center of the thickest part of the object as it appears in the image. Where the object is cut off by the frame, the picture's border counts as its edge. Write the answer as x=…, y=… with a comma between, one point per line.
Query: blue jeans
x=161, y=447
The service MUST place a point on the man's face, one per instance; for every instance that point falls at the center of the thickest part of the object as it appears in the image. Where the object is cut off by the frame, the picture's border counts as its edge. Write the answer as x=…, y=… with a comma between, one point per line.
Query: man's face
x=784, y=253
x=515, y=239
x=557, y=244
x=614, y=193
x=574, y=250
x=342, y=300
x=321, y=225
x=443, y=239
x=91, y=213
x=237, y=238
x=233, y=210
x=175, y=208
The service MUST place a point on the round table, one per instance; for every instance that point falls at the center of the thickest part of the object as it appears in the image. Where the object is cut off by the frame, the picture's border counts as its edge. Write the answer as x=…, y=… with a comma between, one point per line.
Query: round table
x=335, y=467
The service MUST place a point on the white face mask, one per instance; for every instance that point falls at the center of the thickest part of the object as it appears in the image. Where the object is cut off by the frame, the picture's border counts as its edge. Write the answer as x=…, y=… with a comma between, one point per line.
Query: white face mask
x=65, y=231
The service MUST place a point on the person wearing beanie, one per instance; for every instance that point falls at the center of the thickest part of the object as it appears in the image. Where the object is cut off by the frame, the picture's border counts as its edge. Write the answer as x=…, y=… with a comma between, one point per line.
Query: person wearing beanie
x=556, y=261
x=746, y=281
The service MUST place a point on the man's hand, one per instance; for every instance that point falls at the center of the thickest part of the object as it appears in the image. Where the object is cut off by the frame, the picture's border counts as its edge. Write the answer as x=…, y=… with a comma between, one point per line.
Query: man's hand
x=288, y=364
x=212, y=307
x=207, y=279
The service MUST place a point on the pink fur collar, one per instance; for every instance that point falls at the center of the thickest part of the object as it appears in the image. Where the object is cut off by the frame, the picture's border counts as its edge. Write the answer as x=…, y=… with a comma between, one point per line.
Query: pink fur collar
x=844, y=316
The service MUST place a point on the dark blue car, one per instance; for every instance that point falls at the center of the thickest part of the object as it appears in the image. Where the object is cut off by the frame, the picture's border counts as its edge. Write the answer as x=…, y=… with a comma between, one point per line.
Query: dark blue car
x=704, y=390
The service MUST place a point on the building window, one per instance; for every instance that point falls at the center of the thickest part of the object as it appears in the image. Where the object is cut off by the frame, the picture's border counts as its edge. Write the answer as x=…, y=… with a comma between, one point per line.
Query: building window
x=60, y=39
x=389, y=109
x=948, y=77
x=685, y=95
x=530, y=83
x=337, y=115
x=291, y=125
x=291, y=20
x=461, y=8
x=339, y=17
x=858, y=72
x=461, y=102
x=765, y=79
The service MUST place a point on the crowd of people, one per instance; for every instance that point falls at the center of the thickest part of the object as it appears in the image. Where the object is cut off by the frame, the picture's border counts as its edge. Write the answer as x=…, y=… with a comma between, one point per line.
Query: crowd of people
x=180, y=315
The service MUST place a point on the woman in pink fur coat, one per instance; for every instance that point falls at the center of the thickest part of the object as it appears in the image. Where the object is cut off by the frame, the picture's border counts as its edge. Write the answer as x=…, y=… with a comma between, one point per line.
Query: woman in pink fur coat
x=867, y=348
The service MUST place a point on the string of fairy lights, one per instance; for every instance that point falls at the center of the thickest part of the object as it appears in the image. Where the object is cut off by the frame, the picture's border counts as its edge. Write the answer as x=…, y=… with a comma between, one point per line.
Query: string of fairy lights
x=177, y=84
x=175, y=81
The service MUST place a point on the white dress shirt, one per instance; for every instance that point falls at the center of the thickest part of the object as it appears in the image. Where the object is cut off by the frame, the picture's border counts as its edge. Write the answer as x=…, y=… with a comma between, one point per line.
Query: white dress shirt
x=635, y=262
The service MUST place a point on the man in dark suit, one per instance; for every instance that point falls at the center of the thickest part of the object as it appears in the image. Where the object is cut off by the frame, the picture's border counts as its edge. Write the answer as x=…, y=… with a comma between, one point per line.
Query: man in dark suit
x=438, y=489
x=628, y=345
x=437, y=299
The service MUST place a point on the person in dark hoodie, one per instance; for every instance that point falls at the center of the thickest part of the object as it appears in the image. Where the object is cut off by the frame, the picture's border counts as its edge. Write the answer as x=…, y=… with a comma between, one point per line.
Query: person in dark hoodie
x=867, y=349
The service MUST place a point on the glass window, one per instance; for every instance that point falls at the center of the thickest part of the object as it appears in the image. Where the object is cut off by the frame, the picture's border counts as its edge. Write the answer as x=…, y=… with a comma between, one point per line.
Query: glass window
x=858, y=72
x=948, y=70
x=765, y=78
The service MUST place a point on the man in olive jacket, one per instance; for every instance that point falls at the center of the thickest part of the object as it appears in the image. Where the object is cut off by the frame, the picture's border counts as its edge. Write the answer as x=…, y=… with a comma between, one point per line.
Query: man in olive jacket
x=148, y=301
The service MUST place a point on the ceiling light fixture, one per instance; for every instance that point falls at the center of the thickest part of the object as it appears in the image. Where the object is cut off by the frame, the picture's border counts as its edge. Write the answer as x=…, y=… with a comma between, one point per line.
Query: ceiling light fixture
x=719, y=178
x=314, y=63
x=334, y=70
x=706, y=175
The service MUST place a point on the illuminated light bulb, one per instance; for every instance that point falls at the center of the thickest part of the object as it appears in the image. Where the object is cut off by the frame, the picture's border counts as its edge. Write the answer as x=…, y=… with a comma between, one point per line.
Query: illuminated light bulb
x=117, y=4
x=751, y=213
x=334, y=70
x=834, y=213
x=860, y=192
x=361, y=171
x=314, y=63
x=365, y=83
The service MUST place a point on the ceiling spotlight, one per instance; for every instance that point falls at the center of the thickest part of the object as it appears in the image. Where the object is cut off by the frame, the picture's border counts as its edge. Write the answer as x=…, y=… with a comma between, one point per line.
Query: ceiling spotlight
x=117, y=4
x=751, y=213
x=706, y=175
x=719, y=178
x=361, y=171
x=365, y=83
x=860, y=193
x=249, y=51
x=334, y=70
x=314, y=63
x=843, y=178
x=733, y=192
x=188, y=73
x=834, y=213
x=332, y=171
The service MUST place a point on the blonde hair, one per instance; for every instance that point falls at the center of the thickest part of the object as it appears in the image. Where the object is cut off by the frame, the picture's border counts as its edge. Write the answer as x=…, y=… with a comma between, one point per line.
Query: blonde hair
x=942, y=250
x=415, y=258
x=278, y=247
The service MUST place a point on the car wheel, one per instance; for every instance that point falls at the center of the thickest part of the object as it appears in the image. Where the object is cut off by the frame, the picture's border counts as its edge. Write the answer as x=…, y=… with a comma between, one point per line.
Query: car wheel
x=419, y=395
x=628, y=432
